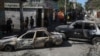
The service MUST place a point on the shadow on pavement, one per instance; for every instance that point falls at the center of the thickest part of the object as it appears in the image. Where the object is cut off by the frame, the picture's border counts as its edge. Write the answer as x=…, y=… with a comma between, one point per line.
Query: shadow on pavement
x=78, y=41
x=65, y=44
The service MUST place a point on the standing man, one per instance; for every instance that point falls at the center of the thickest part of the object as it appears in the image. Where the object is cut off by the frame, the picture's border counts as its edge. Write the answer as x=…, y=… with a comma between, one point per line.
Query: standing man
x=9, y=25
x=31, y=22
x=61, y=16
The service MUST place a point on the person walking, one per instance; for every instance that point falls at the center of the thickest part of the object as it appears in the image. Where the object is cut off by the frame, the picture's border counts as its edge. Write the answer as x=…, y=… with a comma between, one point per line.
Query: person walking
x=31, y=22
x=9, y=25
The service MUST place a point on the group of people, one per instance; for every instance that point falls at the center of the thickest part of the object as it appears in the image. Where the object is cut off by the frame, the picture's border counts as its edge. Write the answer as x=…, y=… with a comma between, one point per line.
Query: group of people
x=9, y=26
x=28, y=22
x=70, y=16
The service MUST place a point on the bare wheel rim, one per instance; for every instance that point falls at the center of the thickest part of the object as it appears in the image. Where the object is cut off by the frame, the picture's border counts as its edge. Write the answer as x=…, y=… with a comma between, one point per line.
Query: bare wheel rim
x=95, y=41
x=48, y=44
x=8, y=48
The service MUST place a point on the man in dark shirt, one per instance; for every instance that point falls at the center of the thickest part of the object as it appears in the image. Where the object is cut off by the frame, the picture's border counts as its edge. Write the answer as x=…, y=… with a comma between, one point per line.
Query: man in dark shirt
x=9, y=24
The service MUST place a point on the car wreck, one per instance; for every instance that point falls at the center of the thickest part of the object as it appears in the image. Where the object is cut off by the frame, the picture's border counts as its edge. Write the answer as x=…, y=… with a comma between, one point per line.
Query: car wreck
x=83, y=29
x=34, y=38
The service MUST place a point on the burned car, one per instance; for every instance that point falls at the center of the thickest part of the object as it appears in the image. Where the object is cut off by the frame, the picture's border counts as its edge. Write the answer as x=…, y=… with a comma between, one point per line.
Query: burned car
x=34, y=38
x=83, y=29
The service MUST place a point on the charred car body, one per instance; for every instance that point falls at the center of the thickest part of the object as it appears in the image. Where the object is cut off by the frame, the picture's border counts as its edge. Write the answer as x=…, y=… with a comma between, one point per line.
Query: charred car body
x=81, y=29
x=38, y=37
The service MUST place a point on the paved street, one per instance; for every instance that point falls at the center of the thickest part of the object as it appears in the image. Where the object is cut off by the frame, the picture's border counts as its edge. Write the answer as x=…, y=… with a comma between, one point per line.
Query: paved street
x=70, y=48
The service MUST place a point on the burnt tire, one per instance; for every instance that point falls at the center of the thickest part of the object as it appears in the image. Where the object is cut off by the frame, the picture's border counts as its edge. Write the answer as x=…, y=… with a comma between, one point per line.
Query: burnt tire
x=9, y=48
x=48, y=44
x=95, y=40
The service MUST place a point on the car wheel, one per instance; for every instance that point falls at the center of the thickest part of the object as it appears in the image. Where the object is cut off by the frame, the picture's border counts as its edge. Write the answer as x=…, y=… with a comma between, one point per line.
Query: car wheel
x=59, y=43
x=8, y=48
x=95, y=40
x=67, y=38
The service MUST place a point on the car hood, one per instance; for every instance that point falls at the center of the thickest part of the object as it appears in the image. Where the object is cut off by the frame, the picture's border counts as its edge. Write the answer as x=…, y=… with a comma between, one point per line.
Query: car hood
x=56, y=34
x=8, y=38
x=60, y=35
x=61, y=27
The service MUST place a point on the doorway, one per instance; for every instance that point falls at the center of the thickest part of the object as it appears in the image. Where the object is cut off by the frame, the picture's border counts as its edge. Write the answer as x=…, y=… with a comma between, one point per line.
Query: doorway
x=39, y=18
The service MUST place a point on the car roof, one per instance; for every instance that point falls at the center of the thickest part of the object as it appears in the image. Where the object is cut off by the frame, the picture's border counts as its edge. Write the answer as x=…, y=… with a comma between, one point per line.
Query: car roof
x=37, y=29
x=86, y=21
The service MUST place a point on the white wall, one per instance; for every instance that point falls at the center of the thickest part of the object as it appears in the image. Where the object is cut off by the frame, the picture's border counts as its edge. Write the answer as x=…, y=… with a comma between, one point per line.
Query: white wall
x=15, y=16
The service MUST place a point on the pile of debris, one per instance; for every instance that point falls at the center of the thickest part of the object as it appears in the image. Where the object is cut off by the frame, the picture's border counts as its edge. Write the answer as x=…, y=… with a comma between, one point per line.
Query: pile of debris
x=94, y=50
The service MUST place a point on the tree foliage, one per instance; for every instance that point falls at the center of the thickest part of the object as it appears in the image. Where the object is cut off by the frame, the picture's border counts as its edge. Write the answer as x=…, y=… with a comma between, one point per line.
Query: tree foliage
x=56, y=0
x=79, y=6
x=69, y=5
x=61, y=4
x=93, y=4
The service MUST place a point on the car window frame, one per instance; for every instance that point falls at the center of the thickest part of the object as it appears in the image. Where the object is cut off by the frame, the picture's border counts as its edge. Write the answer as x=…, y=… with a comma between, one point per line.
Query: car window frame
x=25, y=34
x=44, y=32
x=75, y=23
x=89, y=23
x=28, y=33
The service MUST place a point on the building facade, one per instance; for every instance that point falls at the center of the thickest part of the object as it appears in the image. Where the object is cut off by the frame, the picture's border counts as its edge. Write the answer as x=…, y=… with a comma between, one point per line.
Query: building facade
x=2, y=14
x=38, y=9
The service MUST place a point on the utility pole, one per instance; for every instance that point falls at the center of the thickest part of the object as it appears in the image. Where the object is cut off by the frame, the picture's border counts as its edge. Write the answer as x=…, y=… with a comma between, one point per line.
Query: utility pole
x=42, y=23
x=74, y=4
x=65, y=7
x=21, y=14
x=74, y=7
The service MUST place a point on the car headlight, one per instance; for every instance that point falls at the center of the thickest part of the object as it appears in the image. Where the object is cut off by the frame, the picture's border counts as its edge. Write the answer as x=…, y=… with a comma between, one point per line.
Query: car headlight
x=13, y=43
x=0, y=43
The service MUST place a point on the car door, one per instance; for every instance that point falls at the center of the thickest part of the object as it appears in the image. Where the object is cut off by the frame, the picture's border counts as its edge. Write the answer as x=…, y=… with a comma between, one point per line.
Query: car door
x=41, y=38
x=26, y=40
x=88, y=27
x=77, y=31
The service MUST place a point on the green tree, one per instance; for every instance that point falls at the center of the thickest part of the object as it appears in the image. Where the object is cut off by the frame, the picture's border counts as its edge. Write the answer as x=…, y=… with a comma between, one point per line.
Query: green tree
x=61, y=3
x=79, y=7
